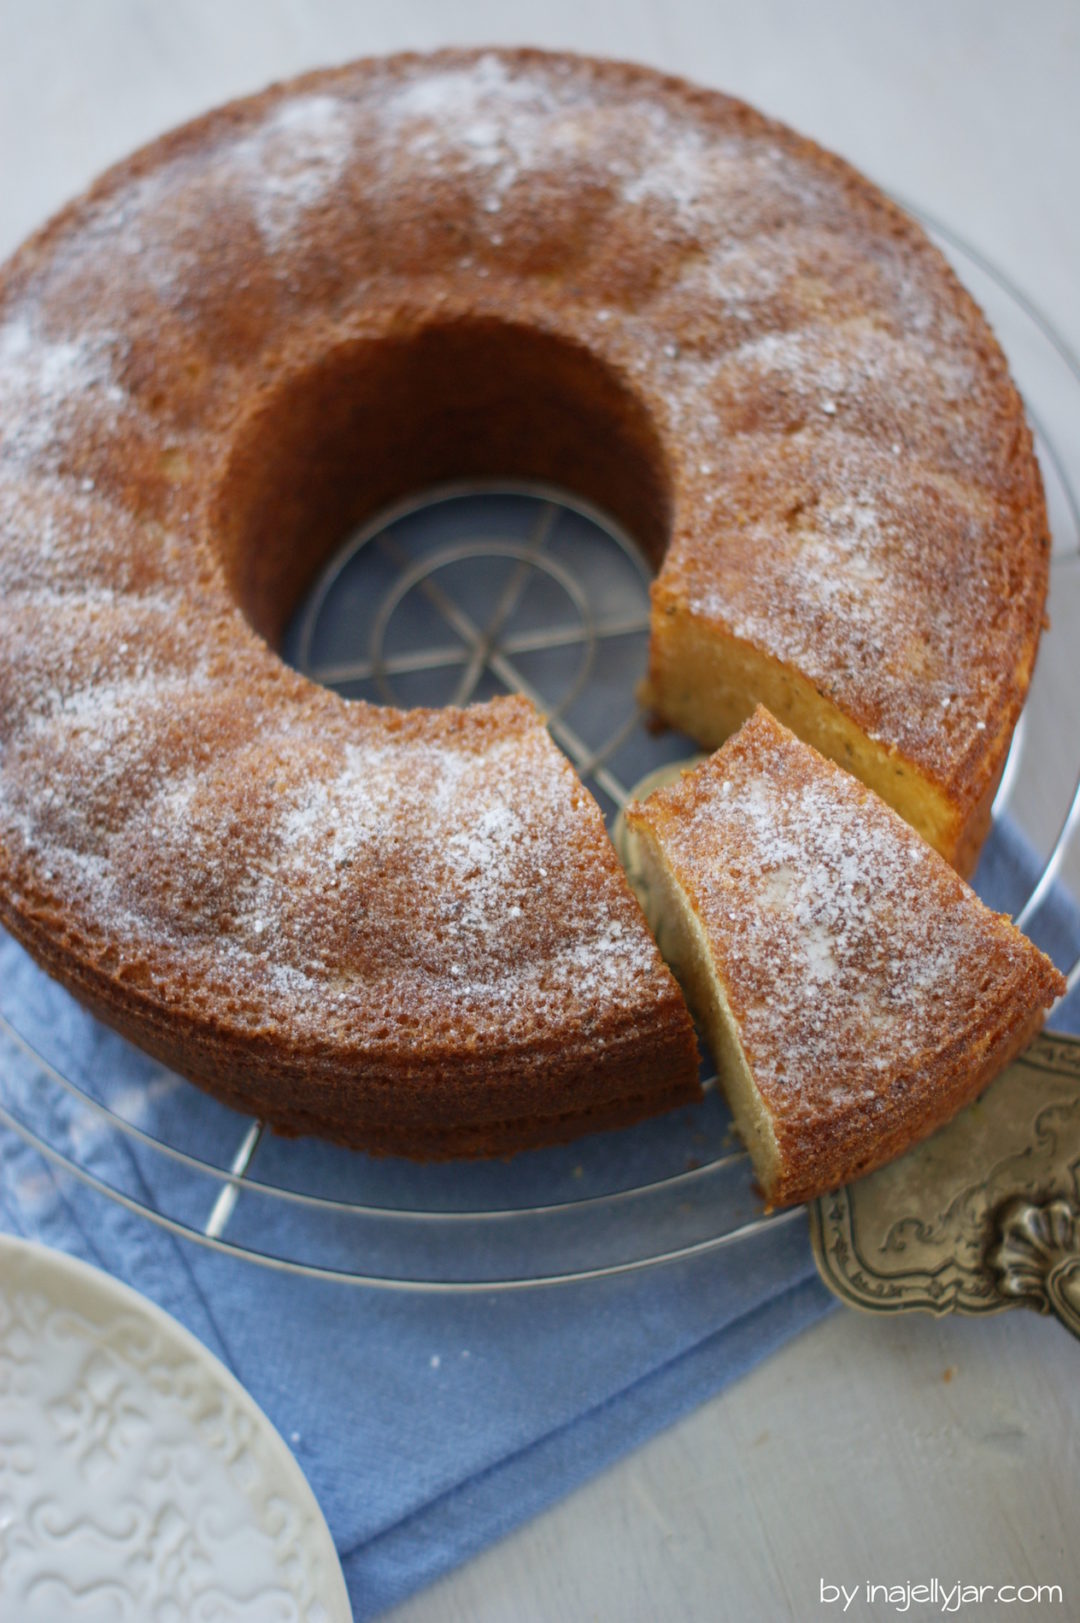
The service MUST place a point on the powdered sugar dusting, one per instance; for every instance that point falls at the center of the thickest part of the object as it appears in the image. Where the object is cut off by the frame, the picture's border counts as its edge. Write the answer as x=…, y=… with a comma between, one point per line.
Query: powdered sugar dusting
x=481, y=105
x=487, y=120
x=848, y=948
x=678, y=166
x=48, y=383
x=846, y=360
x=290, y=163
x=465, y=901
x=396, y=882
x=877, y=593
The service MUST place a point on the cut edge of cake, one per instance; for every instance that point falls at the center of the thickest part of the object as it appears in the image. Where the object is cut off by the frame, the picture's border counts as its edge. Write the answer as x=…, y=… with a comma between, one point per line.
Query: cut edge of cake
x=707, y=684
x=685, y=947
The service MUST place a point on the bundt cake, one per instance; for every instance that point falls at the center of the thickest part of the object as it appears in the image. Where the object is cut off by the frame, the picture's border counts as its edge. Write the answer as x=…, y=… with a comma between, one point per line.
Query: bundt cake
x=405, y=930
x=855, y=990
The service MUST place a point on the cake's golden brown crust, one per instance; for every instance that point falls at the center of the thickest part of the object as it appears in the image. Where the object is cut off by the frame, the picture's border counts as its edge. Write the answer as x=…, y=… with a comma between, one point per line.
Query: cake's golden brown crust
x=408, y=933
x=268, y=323
x=872, y=992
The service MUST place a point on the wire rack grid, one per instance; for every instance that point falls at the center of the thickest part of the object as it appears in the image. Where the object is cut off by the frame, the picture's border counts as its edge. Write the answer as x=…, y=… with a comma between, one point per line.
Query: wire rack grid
x=460, y=594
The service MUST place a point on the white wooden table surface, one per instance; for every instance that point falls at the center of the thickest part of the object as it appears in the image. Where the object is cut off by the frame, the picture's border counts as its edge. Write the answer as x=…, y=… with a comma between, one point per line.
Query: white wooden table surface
x=893, y=1451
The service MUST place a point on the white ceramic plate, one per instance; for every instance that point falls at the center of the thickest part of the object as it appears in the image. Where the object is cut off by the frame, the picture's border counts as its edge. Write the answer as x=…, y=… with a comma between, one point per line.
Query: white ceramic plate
x=139, y=1483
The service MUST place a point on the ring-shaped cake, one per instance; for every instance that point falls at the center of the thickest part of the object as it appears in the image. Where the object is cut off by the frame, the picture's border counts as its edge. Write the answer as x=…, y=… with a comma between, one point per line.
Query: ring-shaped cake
x=407, y=930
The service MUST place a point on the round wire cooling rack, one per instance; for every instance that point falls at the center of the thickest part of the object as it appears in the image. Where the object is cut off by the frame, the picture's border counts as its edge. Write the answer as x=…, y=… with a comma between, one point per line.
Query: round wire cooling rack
x=458, y=595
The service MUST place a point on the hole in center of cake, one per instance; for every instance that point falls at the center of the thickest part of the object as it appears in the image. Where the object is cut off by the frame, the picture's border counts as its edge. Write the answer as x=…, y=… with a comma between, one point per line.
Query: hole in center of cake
x=338, y=449
x=477, y=590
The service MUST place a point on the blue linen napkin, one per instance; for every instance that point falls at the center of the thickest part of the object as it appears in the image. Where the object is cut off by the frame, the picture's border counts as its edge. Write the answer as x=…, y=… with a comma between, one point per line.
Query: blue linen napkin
x=427, y=1425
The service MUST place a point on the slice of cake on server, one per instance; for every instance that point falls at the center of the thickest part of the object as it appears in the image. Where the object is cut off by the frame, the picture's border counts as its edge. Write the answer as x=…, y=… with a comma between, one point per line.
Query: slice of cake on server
x=855, y=991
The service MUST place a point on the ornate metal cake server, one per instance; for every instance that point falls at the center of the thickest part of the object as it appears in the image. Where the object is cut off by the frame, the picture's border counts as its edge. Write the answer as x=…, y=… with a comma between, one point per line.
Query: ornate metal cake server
x=983, y=1216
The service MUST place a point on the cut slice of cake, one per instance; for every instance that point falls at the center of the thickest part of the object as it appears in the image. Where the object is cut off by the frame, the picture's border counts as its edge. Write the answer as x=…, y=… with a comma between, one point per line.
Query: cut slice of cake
x=855, y=991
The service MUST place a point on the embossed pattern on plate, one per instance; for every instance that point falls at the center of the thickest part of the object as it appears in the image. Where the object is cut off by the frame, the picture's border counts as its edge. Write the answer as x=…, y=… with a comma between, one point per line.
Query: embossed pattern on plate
x=981, y=1217
x=139, y=1482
